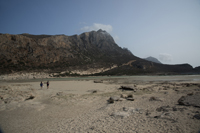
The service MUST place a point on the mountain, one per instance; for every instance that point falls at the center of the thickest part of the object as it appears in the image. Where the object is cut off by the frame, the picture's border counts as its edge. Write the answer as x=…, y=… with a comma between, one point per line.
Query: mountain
x=152, y=59
x=95, y=49
x=89, y=50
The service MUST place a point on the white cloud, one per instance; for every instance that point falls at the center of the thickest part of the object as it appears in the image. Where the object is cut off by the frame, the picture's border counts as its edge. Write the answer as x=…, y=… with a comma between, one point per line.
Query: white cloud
x=116, y=38
x=96, y=27
x=165, y=57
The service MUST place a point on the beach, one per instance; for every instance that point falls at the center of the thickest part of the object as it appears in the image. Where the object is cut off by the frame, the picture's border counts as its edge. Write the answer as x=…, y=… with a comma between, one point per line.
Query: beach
x=130, y=104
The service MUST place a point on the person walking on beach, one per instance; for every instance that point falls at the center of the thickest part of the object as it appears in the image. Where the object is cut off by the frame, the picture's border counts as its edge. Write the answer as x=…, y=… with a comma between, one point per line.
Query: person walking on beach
x=41, y=84
x=47, y=84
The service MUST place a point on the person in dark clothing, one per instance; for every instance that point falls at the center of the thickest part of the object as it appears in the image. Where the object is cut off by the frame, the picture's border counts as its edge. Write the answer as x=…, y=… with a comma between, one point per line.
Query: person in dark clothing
x=41, y=84
x=47, y=84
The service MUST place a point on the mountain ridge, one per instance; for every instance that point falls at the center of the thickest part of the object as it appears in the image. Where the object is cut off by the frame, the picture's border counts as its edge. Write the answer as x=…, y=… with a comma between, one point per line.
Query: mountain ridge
x=89, y=50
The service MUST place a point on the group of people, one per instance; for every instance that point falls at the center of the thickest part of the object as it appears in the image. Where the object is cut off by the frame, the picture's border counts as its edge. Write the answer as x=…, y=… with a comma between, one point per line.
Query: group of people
x=41, y=84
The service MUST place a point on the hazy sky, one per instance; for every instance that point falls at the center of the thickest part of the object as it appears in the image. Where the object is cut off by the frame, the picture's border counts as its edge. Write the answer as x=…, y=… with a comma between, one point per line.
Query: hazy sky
x=166, y=29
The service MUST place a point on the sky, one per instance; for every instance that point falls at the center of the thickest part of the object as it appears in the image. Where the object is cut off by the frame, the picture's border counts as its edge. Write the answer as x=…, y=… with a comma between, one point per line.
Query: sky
x=168, y=30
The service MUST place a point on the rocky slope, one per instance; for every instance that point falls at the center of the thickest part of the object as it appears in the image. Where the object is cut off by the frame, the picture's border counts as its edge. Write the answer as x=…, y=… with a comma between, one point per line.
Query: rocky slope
x=94, y=50
x=59, y=52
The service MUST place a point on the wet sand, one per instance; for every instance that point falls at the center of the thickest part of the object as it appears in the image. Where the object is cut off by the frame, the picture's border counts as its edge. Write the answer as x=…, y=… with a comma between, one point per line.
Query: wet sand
x=82, y=105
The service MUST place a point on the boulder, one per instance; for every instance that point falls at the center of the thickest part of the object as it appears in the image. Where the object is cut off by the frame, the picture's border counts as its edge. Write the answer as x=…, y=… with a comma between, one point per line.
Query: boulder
x=126, y=88
x=154, y=99
x=190, y=100
x=112, y=99
x=197, y=116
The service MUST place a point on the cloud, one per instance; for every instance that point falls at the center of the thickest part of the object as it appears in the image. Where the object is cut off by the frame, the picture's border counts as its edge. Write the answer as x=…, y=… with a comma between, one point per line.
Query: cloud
x=96, y=27
x=165, y=57
x=116, y=38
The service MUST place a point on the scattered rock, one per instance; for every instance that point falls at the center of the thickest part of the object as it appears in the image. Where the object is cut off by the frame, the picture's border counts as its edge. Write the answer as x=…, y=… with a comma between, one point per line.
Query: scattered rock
x=30, y=97
x=190, y=94
x=197, y=116
x=130, y=99
x=125, y=88
x=158, y=116
x=95, y=91
x=147, y=112
x=98, y=81
x=174, y=108
x=130, y=96
x=163, y=109
x=154, y=99
x=112, y=99
x=190, y=100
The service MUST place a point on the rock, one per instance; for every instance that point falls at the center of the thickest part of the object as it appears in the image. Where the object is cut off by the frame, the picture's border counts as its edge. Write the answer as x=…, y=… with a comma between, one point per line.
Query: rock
x=125, y=109
x=98, y=81
x=95, y=91
x=158, y=116
x=147, y=112
x=30, y=97
x=130, y=99
x=125, y=88
x=174, y=108
x=190, y=100
x=130, y=96
x=190, y=94
x=112, y=99
x=197, y=116
x=154, y=99
x=124, y=96
x=163, y=108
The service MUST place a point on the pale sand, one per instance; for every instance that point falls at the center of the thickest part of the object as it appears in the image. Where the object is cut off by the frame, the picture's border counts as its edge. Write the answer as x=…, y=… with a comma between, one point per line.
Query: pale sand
x=71, y=106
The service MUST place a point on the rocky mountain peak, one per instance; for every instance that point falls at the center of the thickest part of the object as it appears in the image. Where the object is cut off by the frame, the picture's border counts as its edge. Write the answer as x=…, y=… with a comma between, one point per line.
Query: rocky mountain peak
x=103, y=32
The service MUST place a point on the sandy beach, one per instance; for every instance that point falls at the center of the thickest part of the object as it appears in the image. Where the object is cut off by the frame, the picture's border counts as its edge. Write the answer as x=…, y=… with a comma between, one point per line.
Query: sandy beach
x=141, y=104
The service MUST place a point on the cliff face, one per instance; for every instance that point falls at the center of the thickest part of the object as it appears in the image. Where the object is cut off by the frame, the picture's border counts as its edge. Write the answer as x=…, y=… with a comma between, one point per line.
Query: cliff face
x=29, y=52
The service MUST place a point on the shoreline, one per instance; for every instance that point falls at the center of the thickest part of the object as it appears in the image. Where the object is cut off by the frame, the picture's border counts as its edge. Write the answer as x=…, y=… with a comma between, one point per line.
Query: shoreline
x=170, y=78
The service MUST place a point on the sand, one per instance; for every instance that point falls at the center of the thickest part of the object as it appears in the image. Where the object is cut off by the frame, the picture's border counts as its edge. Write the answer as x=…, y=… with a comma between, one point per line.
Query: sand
x=82, y=106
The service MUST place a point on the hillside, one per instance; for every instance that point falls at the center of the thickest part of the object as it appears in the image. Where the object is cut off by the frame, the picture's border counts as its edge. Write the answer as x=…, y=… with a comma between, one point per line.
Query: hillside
x=60, y=52
x=95, y=50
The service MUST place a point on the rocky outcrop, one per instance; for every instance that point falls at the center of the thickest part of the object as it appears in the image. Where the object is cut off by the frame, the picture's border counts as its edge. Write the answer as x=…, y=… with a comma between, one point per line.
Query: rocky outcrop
x=190, y=100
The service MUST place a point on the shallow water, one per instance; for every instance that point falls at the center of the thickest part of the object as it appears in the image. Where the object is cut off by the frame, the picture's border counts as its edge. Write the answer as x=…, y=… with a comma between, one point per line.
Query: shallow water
x=136, y=78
